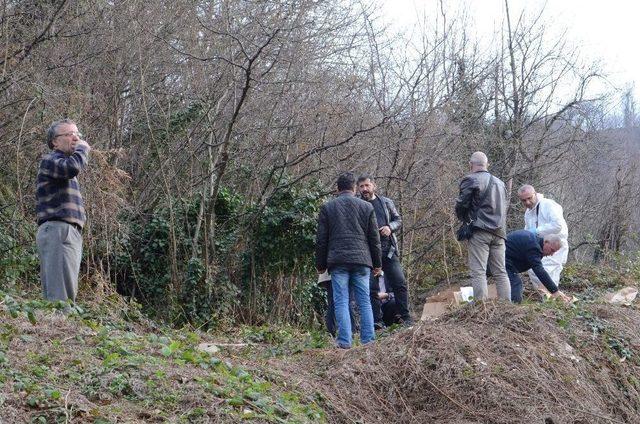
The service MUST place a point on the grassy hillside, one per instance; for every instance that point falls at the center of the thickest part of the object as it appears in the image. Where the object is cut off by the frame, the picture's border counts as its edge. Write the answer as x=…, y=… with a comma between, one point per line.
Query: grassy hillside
x=494, y=362
x=108, y=364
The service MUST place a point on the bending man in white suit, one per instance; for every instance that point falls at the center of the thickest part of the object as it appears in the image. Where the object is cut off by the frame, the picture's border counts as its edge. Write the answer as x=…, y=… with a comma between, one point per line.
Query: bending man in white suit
x=543, y=217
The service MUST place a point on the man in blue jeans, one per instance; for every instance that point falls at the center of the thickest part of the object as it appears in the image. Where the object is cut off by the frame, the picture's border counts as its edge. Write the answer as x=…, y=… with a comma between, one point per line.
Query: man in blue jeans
x=348, y=245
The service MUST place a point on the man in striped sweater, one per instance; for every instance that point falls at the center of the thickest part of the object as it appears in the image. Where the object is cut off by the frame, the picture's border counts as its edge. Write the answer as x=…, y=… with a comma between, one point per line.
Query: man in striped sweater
x=60, y=211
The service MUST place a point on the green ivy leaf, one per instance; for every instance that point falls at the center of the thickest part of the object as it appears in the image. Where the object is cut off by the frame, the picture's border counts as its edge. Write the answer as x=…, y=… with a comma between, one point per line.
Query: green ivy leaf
x=32, y=317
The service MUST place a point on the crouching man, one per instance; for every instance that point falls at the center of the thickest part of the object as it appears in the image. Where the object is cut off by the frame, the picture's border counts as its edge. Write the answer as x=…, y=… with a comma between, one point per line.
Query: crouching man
x=524, y=252
x=384, y=304
x=544, y=216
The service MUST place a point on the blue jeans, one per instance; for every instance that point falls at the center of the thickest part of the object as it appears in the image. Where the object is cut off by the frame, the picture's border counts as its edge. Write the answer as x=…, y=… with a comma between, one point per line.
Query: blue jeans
x=330, y=315
x=358, y=277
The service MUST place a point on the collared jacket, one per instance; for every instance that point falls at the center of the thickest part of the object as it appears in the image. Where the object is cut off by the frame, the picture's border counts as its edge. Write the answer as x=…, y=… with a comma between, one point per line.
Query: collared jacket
x=393, y=220
x=546, y=217
x=523, y=253
x=347, y=234
x=490, y=213
x=58, y=192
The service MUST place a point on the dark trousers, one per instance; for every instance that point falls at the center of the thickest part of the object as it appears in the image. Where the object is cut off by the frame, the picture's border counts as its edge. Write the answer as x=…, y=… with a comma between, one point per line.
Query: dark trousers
x=394, y=282
x=390, y=312
x=383, y=312
x=394, y=279
x=376, y=304
x=516, y=285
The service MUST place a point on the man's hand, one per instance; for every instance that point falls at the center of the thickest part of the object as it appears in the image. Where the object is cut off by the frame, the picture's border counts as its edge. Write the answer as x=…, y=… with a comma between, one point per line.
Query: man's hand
x=376, y=271
x=542, y=290
x=383, y=296
x=563, y=297
x=83, y=143
x=385, y=231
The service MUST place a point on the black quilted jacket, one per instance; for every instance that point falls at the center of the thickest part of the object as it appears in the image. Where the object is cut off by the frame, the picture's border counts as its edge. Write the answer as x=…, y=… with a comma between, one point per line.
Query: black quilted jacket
x=347, y=233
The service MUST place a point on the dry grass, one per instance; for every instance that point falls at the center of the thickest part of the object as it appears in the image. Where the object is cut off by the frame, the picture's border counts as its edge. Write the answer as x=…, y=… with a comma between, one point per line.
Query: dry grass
x=485, y=363
x=493, y=363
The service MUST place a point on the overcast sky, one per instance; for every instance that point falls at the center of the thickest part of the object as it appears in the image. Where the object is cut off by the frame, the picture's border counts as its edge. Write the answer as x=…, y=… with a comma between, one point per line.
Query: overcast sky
x=605, y=31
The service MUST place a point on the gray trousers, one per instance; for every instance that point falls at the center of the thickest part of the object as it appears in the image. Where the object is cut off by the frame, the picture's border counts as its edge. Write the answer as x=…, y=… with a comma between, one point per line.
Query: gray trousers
x=60, y=252
x=484, y=248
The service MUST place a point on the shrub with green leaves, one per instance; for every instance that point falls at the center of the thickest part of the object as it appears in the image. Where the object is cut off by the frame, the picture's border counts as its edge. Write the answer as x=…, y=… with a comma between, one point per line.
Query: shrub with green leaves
x=262, y=267
x=279, y=265
x=18, y=255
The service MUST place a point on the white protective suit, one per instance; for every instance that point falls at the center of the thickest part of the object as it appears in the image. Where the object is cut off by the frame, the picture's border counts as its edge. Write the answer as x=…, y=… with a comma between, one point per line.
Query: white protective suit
x=546, y=217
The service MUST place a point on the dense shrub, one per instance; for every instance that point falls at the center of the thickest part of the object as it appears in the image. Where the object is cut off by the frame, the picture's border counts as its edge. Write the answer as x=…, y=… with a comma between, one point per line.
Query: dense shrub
x=262, y=268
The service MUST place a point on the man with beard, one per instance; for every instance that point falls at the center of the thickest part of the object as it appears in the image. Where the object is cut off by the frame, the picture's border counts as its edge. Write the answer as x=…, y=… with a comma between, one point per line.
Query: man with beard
x=389, y=223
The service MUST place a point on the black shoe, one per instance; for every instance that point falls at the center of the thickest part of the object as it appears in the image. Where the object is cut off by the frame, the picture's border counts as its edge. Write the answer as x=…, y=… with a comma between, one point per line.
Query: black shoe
x=379, y=326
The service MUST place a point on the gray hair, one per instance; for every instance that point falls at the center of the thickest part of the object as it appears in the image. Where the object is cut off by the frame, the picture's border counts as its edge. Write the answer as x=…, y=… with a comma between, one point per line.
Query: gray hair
x=53, y=128
x=555, y=239
x=479, y=159
x=524, y=188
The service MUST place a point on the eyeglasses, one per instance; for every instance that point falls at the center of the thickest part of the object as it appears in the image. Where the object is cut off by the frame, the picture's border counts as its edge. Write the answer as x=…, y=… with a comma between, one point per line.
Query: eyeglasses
x=69, y=134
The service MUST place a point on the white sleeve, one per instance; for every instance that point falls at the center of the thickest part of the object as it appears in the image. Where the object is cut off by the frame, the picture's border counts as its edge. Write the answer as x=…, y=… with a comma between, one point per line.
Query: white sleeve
x=529, y=219
x=550, y=218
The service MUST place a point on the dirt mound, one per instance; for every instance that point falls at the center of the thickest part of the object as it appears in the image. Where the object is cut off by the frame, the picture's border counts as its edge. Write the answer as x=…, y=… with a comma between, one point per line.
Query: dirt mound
x=494, y=362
